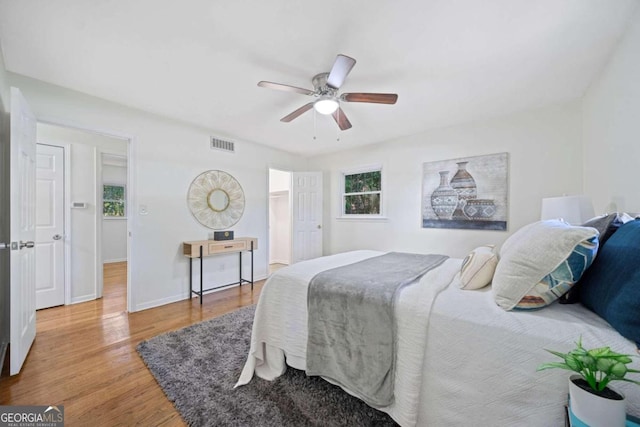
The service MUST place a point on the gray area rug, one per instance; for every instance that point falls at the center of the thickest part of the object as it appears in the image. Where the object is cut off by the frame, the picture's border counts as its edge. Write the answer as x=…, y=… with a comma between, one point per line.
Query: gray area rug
x=198, y=366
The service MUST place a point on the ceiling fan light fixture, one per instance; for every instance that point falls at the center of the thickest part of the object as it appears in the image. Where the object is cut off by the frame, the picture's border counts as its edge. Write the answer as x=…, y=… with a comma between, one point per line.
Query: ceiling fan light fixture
x=326, y=105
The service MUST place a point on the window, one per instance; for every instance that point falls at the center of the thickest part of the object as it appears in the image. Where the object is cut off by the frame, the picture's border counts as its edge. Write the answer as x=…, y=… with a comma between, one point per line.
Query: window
x=114, y=201
x=362, y=193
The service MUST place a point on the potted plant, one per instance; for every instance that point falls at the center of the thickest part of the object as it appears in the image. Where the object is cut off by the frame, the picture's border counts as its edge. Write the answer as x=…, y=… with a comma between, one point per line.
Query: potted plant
x=591, y=399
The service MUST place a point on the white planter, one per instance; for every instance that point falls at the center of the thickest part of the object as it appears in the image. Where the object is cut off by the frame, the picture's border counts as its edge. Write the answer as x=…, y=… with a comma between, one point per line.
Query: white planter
x=596, y=411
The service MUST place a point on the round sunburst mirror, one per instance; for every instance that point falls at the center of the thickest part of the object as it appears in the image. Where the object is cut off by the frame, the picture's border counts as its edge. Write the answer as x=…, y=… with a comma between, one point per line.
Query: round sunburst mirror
x=216, y=199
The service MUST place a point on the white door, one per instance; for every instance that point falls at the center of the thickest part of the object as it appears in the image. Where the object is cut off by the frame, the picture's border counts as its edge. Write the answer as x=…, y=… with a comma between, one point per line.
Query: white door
x=306, y=204
x=23, y=231
x=49, y=226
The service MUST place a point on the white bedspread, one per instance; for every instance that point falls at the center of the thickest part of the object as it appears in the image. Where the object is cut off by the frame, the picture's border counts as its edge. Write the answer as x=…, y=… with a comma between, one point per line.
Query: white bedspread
x=280, y=326
x=477, y=366
x=494, y=355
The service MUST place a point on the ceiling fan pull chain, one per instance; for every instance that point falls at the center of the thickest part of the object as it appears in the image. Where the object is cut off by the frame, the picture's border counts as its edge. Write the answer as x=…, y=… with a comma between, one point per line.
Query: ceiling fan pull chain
x=314, y=125
x=338, y=128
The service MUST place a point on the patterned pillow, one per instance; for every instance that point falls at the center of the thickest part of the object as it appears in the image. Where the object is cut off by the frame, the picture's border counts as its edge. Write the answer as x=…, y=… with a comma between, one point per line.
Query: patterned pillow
x=542, y=261
x=478, y=268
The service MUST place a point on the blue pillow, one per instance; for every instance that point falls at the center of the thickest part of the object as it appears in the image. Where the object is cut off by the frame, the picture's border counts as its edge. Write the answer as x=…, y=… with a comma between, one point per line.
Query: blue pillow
x=611, y=287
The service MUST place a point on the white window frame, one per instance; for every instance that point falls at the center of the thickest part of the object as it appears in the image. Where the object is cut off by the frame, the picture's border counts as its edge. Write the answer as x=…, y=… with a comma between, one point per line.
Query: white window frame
x=341, y=203
x=109, y=217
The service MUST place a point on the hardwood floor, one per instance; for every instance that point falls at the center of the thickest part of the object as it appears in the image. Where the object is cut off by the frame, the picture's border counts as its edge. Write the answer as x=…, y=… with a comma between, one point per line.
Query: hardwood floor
x=84, y=356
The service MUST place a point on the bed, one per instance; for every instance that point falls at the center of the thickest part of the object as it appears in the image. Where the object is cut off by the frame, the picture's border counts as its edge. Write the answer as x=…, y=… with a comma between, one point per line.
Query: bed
x=460, y=357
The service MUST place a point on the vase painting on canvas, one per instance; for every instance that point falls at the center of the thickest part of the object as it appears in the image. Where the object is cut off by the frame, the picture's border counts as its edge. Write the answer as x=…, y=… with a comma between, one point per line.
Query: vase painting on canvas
x=467, y=193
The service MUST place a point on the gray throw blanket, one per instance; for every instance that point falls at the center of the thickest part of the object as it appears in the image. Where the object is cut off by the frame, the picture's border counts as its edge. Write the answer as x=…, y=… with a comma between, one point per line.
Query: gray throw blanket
x=352, y=329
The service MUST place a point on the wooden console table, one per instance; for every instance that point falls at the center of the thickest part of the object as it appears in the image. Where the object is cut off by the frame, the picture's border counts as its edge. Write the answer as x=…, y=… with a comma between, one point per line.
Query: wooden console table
x=204, y=248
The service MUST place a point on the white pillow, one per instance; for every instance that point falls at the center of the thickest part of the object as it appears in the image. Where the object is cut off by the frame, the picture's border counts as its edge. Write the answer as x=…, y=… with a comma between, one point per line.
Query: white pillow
x=541, y=262
x=478, y=267
x=626, y=217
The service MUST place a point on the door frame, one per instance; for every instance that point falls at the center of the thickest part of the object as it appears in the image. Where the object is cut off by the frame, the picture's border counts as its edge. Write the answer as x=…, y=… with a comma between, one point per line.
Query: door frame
x=66, y=149
x=131, y=199
x=292, y=204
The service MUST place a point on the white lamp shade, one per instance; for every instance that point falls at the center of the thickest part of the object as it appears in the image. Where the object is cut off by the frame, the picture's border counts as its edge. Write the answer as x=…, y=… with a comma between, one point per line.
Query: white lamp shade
x=573, y=209
x=325, y=105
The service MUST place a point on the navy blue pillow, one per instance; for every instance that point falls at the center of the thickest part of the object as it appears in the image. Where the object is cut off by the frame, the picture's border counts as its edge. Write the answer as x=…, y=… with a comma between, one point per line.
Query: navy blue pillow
x=611, y=286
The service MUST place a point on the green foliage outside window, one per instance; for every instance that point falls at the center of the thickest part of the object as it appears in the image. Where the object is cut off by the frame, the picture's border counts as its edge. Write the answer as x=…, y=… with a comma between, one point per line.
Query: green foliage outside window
x=362, y=193
x=113, y=201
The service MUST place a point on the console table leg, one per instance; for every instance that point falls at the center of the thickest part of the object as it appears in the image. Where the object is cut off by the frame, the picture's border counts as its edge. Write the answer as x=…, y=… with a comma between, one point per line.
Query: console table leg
x=240, y=269
x=201, y=260
x=252, y=265
x=190, y=277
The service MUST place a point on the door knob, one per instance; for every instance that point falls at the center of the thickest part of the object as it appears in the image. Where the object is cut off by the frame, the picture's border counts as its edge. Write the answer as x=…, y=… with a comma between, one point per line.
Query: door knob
x=26, y=244
x=319, y=226
x=57, y=237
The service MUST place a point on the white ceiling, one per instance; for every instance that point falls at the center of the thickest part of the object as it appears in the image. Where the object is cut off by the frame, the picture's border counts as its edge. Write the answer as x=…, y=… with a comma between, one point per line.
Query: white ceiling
x=200, y=60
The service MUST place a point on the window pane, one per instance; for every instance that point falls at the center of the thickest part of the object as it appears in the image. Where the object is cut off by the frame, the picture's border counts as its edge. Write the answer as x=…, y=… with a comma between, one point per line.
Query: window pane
x=362, y=204
x=112, y=208
x=362, y=182
x=113, y=192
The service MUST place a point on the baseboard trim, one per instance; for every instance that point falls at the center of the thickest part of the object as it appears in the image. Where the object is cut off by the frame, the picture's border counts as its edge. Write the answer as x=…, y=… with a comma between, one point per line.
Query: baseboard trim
x=183, y=296
x=84, y=298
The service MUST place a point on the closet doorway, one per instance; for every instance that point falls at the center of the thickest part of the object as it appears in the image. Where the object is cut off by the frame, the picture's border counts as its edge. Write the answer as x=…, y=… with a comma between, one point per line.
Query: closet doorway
x=279, y=219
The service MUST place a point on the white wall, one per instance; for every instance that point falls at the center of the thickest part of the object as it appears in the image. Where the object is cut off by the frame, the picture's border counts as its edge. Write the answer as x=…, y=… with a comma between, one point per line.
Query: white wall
x=84, y=187
x=611, y=129
x=166, y=156
x=114, y=230
x=544, y=160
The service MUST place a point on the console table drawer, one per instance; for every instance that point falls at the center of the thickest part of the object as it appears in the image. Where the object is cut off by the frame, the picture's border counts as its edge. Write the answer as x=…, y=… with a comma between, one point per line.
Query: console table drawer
x=212, y=247
x=230, y=246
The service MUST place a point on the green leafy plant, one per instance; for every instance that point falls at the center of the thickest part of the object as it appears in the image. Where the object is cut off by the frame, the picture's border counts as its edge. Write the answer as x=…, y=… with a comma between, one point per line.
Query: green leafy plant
x=598, y=366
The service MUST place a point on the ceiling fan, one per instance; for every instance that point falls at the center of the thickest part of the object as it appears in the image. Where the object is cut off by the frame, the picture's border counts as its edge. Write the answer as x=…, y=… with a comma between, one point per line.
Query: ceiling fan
x=326, y=86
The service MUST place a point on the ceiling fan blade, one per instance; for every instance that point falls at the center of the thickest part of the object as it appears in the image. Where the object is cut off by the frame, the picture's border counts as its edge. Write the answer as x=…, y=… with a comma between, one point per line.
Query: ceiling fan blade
x=286, y=88
x=341, y=119
x=297, y=113
x=341, y=68
x=375, y=98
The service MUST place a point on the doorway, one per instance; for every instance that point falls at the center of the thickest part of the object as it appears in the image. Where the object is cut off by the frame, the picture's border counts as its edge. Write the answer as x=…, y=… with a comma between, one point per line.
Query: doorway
x=279, y=219
x=295, y=217
x=86, y=164
x=113, y=173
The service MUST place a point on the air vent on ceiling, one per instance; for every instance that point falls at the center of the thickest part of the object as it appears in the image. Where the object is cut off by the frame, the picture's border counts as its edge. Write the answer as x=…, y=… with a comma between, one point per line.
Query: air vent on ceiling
x=220, y=144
